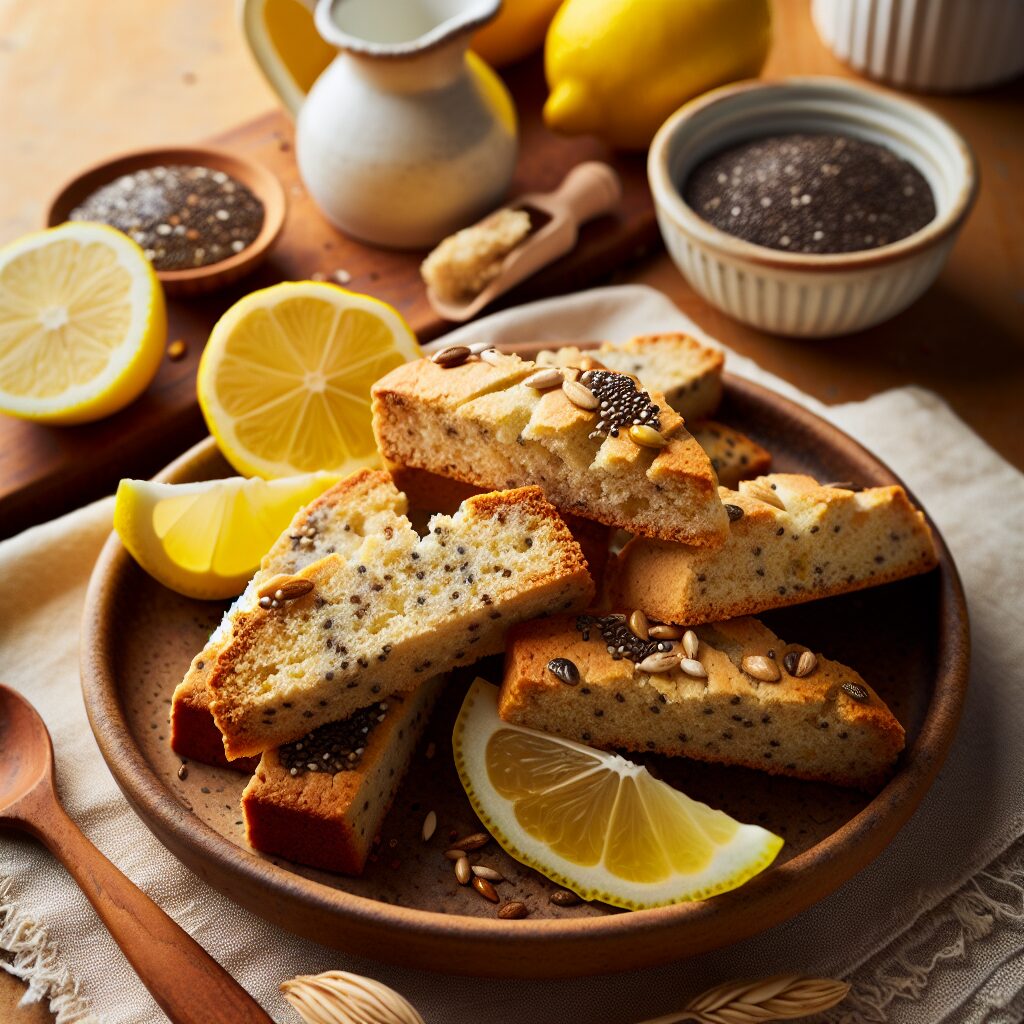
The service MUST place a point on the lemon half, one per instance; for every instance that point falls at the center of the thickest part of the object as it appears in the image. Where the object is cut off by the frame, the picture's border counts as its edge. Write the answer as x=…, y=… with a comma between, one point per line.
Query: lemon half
x=206, y=539
x=284, y=381
x=595, y=822
x=82, y=323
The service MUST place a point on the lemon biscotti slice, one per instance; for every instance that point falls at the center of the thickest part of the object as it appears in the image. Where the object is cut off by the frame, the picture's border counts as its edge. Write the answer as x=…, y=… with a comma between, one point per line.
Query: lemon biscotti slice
x=599, y=447
x=337, y=521
x=321, y=800
x=791, y=540
x=686, y=371
x=733, y=455
x=743, y=697
x=401, y=609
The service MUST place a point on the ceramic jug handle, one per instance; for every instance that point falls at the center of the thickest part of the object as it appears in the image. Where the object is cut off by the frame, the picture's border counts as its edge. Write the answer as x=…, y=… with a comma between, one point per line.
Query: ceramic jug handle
x=284, y=40
x=590, y=189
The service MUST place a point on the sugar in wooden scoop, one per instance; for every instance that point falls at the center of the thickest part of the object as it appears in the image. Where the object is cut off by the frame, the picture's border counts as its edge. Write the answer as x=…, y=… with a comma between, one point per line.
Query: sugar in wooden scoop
x=806, y=193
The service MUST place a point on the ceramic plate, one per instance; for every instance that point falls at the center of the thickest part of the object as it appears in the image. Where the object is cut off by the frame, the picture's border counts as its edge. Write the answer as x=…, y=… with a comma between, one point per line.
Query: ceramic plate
x=909, y=639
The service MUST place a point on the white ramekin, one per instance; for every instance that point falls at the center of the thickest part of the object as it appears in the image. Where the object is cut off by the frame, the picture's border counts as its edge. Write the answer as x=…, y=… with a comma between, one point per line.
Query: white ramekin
x=931, y=45
x=794, y=293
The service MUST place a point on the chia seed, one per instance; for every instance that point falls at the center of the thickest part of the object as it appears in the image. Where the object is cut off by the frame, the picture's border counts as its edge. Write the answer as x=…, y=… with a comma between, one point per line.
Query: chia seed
x=335, y=747
x=182, y=216
x=810, y=193
x=621, y=403
x=620, y=640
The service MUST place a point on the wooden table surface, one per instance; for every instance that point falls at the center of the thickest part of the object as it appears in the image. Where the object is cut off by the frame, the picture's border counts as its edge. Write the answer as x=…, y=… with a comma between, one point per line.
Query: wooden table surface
x=79, y=86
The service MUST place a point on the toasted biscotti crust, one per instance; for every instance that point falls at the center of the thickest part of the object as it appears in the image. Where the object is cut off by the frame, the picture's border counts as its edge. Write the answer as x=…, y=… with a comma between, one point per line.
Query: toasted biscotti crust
x=477, y=422
x=340, y=517
x=400, y=609
x=824, y=541
x=329, y=820
x=686, y=371
x=734, y=456
x=808, y=728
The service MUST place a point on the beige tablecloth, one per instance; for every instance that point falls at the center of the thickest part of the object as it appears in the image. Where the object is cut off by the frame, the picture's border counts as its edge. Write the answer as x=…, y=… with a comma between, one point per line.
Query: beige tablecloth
x=932, y=931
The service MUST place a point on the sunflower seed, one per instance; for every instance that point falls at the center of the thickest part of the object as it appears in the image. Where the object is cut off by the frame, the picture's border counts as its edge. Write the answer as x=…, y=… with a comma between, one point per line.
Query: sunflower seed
x=564, y=898
x=454, y=854
x=638, y=624
x=800, y=663
x=647, y=437
x=478, y=347
x=429, y=826
x=513, y=911
x=473, y=842
x=483, y=871
x=544, y=380
x=462, y=871
x=734, y=512
x=760, y=667
x=485, y=889
x=657, y=663
x=761, y=491
x=690, y=643
x=565, y=670
x=580, y=395
x=285, y=588
x=855, y=692
x=492, y=356
x=454, y=355
x=665, y=632
x=693, y=668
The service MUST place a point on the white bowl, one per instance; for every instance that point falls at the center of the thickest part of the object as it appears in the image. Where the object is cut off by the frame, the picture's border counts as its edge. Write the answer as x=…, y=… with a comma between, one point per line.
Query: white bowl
x=933, y=45
x=806, y=295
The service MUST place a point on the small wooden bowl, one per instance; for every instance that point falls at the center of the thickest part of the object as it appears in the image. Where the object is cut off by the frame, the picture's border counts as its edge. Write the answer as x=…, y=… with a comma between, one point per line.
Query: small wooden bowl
x=193, y=280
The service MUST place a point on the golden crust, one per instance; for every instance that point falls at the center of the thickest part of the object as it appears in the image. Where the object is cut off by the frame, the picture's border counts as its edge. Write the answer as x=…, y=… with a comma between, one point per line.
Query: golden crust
x=734, y=456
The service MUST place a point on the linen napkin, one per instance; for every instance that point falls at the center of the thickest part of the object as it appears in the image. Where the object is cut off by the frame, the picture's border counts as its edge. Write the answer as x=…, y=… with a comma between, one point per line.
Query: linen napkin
x=933, y=930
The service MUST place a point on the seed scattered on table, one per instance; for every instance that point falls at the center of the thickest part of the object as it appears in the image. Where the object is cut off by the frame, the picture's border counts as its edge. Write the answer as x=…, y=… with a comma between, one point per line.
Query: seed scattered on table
x=485, y=889
x=429, y=826
x=462, y=871
x=472, y=842
x=483, y=871
x=513, y=911
x=564, y=898
x=176, y=350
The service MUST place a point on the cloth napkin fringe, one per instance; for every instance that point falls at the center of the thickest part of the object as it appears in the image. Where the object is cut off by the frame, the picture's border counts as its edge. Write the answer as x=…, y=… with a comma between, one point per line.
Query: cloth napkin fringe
x=30, y=955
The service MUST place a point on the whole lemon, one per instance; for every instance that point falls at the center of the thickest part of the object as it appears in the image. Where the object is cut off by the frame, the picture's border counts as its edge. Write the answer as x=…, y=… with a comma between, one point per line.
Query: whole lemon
x=619, y=68
x=516, y=32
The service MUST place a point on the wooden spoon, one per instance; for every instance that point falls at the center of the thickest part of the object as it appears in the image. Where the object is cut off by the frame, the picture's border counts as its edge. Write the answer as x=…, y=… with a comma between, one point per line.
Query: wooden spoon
x=190, y=986
x=589, y=190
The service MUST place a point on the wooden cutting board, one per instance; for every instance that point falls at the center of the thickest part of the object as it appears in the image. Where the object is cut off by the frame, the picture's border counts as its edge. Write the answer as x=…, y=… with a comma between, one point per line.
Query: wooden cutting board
x=45, y=471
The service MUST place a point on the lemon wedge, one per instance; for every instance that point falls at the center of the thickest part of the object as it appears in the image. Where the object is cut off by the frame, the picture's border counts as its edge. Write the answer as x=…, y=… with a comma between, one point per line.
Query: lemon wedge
x=206, y=539
x=595, y=822
x=82, y=324
x=284, y=381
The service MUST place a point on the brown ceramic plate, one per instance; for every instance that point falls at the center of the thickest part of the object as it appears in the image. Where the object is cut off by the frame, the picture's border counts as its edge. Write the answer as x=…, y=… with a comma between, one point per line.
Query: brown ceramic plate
x=909, y=639
x=193, y=280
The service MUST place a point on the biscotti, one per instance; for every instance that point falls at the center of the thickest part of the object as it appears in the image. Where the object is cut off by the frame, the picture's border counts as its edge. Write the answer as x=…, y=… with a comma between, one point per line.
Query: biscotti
x=402, y=608
x=791, y=540
x=743, y=697
x=686, y=371
x=320, y=801
x=733, y=455
x=494, y=422
x=337, y=521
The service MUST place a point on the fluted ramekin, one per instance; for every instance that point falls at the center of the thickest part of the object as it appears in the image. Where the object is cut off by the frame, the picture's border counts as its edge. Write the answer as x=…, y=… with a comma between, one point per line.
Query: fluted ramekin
x=931, y=45
x=808, y=295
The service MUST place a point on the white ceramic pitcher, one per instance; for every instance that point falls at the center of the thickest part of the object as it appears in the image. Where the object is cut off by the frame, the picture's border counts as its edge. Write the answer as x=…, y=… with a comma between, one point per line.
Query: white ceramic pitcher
x=405, y=136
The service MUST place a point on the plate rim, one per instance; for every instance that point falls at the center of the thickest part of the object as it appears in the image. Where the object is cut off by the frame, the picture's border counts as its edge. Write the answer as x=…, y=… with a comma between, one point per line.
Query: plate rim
x=793, y=886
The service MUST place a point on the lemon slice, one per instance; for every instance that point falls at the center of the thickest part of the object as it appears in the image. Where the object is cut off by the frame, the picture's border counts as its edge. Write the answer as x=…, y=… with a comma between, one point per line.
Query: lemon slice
x=206, y=539
x=595, y=822
x=82, y=323
x=284, y=382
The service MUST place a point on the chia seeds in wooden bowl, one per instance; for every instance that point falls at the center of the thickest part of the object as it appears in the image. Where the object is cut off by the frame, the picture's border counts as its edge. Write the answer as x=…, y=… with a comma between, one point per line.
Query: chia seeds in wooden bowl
x=183, y=216
x=811, y=193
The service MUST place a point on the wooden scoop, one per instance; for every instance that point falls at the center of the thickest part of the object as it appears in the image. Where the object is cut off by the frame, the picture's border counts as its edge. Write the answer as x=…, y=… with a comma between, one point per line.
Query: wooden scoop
x=190, y=986
x=589, y=190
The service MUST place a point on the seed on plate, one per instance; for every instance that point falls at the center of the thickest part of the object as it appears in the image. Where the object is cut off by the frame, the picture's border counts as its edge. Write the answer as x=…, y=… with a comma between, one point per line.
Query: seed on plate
x=693, y=668
x=761, y=668
x=176, y=350
x=485, y=889
x=489, y=873
x=429, y=826
x=183, y=771
x=564, y=898
x=565, y=670
x=580, y=395
x=453, y=355
x=477, y=347
x=647, y=437
x=855, y=692
x=462, y=871
x=454, y=854
x=690, y=643
x=638, y=624
x=513, y=911
x=663, y=631
x=473, y=842
x=544, y=380
x=734, y=512
x=657, y=663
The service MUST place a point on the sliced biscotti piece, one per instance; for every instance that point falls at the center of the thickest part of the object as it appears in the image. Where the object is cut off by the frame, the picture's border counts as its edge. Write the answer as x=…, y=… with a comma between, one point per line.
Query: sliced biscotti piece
x=743, y=697
x=733, y=455
x=686, y=371
x=791, y=540
x=401, y=609
x=337, y=521
x=481, y=422
x=321, y=800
